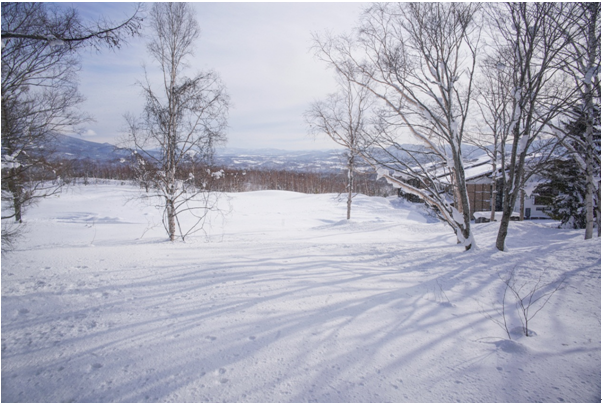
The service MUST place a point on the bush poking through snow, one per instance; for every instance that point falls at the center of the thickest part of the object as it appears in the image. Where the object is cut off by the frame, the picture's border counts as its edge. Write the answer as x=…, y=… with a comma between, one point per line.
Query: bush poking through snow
x=531, y=298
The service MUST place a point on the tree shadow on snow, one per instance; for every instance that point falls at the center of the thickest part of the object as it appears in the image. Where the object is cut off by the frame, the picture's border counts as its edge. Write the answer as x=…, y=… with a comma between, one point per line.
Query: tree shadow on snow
x=314, y=323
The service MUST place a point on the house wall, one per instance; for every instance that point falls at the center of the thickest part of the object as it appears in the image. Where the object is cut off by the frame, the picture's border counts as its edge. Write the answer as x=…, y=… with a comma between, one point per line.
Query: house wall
x=480, y=199
x=533, y=211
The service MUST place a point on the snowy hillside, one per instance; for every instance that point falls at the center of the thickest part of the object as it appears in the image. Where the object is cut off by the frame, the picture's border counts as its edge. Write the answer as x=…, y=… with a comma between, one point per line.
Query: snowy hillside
x=274, y=159
x=284, y=301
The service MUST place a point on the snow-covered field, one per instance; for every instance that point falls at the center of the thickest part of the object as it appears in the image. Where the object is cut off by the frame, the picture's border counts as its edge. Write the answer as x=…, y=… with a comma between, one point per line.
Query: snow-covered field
x=284, y=301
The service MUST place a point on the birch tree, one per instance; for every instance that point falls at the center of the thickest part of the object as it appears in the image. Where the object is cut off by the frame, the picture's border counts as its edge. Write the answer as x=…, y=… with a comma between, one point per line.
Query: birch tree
x=182, y=121
x=582, y=55
x=530, y=40
x=491, y=131
x=344, y=118
x=419, y=60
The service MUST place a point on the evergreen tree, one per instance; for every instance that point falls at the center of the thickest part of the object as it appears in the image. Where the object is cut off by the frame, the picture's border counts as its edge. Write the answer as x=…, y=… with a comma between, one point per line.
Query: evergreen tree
x=565, y=191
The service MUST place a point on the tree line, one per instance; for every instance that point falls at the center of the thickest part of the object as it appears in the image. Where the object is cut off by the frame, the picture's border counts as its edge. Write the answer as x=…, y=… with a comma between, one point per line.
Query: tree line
x=218, y=178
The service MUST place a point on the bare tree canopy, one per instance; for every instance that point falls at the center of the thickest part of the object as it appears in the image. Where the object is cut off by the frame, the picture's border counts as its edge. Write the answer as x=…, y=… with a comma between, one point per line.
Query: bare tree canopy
x=345, y=118
x=182, y=122
x=419, y=60
x=40, y=45
x=582, y=55
x=529, y=42
x=64, y=26
x=525, y=65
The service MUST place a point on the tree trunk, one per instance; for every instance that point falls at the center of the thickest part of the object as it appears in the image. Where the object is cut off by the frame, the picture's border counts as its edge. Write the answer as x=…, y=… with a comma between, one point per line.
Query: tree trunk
x=18, y=208
x=593, y=43
x=510, y=194
x=500, y=242
x=598, y=222
x=589, y=162
x=466, y=213
x=522, y=204
x=463, y=203
x=16, y=189
x=493, y=200
x=171, y=219
x=349, y=185
x=589, y=202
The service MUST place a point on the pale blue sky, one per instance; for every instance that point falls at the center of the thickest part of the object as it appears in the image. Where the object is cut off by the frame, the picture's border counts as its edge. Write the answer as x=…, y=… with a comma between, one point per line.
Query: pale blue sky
x=262, y=53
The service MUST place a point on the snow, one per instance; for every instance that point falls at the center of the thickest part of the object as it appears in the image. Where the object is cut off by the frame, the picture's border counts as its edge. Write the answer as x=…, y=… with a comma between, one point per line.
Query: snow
x=217, y=174
x=9, y=162
x=472, y=169
x=530, y=187
x=381, y=172
x=55, y=42
x=457, y=216
x=591, y=72
x=498, y=215
x=282, y=300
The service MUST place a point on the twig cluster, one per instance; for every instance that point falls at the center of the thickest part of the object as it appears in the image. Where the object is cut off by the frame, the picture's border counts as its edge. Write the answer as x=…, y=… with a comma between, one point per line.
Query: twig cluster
x=530, y=299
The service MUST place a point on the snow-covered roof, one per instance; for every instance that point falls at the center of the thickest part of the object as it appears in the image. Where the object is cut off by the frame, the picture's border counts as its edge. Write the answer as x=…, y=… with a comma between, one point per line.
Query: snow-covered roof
x=473, y=169
x=478, y=168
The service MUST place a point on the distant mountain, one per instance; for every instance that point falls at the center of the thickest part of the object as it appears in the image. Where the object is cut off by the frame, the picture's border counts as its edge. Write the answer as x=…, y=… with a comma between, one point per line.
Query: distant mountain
x=275, y=159
x=71, y=148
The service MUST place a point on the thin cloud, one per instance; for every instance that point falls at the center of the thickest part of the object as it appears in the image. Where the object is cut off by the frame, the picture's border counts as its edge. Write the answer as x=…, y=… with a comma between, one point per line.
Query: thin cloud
x=262, y=53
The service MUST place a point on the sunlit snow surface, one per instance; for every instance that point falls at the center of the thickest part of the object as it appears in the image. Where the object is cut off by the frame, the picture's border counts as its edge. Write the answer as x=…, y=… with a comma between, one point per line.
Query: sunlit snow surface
x=282, y=300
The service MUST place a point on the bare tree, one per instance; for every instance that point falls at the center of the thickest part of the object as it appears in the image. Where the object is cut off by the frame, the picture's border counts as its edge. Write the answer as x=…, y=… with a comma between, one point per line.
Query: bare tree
x=30, y=118
x=531, y=298
x=582, y=55
x=529, y=40
x=490, y=132
x=182, y=122
x=39, y=91
x=344, y=118
x=419, y=60
x=64, y=27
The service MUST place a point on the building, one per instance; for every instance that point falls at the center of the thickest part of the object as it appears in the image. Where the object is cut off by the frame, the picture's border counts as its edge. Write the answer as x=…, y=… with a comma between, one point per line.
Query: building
x=479, y=177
